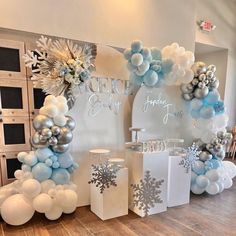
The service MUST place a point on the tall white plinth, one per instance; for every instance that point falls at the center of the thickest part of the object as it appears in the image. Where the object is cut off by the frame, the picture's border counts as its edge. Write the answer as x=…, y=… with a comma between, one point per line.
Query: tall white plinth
x=157, y=164
x=178, y=183
x=113, y=202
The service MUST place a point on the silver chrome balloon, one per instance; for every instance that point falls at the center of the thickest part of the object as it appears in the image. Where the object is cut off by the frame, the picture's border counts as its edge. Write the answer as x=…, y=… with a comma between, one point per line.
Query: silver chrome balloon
x=70, y=123
x=60, y=148
x=39, y=144
x=211, y=68
x=46, y=132
x=184, y=88
x=55, y=130
x=200, y=93
x=52, y=141
x=42, y=121
x=65, y=136
x=198, y=68
x=188, y=96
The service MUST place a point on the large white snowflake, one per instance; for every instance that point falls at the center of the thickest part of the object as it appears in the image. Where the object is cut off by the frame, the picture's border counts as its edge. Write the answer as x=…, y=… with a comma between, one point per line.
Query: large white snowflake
x=192, y=155
x=147, y=193
x=104, y=175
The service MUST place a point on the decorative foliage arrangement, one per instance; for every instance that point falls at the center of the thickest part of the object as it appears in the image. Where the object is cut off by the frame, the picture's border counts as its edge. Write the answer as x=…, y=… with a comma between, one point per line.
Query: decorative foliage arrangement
x=198, y=84
x=192, y=155
x=147, y=193
x=104, y=175
x=60, y=66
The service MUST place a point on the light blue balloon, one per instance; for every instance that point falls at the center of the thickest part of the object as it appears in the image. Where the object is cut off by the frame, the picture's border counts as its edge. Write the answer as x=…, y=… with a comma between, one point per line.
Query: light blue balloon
x=48, y=162
x=199, y=167
x=54, y=158
x=208, y=165
x=215, y=163
x=43, y=154
x=55, y=165
x=167, y=66
x=41, y=172
x=207, y=112
x=143, y=68
x=150, y=78
x=202, y=181
x=131, y=67
x=60, y=176
x=195, y=114
x=156, y=54
x=212, y=97
x=196, y=104
x=136, y=46
x=65, y=160
x=136, y=80
x=146, y=52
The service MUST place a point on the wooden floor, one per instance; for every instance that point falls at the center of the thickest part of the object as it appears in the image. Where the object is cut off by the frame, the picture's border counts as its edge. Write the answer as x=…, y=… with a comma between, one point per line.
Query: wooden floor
x=205, y=215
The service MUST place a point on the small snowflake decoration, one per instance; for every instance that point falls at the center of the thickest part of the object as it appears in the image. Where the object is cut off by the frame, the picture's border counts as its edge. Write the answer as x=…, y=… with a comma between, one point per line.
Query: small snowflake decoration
x=192, y=155
x=104, y=175
x=58, y=66
x=147, y=193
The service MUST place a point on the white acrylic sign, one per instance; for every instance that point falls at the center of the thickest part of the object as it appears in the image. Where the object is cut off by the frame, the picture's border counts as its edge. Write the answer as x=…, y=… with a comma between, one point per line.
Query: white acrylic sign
x=162, y=112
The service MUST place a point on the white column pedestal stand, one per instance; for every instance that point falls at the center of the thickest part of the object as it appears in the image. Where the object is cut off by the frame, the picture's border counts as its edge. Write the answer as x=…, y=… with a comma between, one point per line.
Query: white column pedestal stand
x=113, y=202
x=157, y=164
x=178, y=183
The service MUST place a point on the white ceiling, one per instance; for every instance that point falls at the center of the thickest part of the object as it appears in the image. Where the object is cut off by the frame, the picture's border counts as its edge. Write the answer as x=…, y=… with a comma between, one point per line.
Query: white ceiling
x=201, y=48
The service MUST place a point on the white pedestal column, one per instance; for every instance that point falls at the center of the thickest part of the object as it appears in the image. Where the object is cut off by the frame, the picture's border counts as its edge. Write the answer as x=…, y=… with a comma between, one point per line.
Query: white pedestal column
x=157, y=164
x=113, y=202
x=178, y=183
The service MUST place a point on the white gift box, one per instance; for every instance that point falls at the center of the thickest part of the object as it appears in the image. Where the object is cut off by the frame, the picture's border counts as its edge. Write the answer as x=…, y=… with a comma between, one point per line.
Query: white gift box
x=157, y=164
x=178, y=183
x=113, y=202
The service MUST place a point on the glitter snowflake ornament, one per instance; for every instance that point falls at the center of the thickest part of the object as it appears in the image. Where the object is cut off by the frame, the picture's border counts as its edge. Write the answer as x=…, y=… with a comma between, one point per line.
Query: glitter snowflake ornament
x=192, y=155
x=104, y=175
x=147, y=193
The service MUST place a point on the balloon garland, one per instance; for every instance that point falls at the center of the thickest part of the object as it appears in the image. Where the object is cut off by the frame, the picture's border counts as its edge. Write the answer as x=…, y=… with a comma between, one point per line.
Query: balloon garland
x=43, y=184
x=173, y=65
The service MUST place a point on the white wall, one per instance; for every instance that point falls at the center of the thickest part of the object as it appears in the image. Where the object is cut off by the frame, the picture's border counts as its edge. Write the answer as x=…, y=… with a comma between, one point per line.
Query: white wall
x=222, y=14
x=110, y=22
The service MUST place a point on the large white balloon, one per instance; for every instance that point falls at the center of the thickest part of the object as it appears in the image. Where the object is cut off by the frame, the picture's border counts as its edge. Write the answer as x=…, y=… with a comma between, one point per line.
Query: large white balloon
x=31, y=187
x=54, y=213
x=42, y=203
x=17, y=210
x=213, y=188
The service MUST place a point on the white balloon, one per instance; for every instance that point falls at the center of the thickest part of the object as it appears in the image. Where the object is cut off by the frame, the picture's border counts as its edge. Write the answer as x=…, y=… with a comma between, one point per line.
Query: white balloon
x=54, y=213
x=62, y=108
x=50, y=99
x=47, y=185
x=61, y=99
x=31, y=188
x=18, y=174
x=220, y=185
x=42, y=203
x=60, y=120
x=196, y=189
x=212, y=175
x=227, y=181
x=51, y=110
x=17, y=210
x=230, y=168
x=213, y=188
